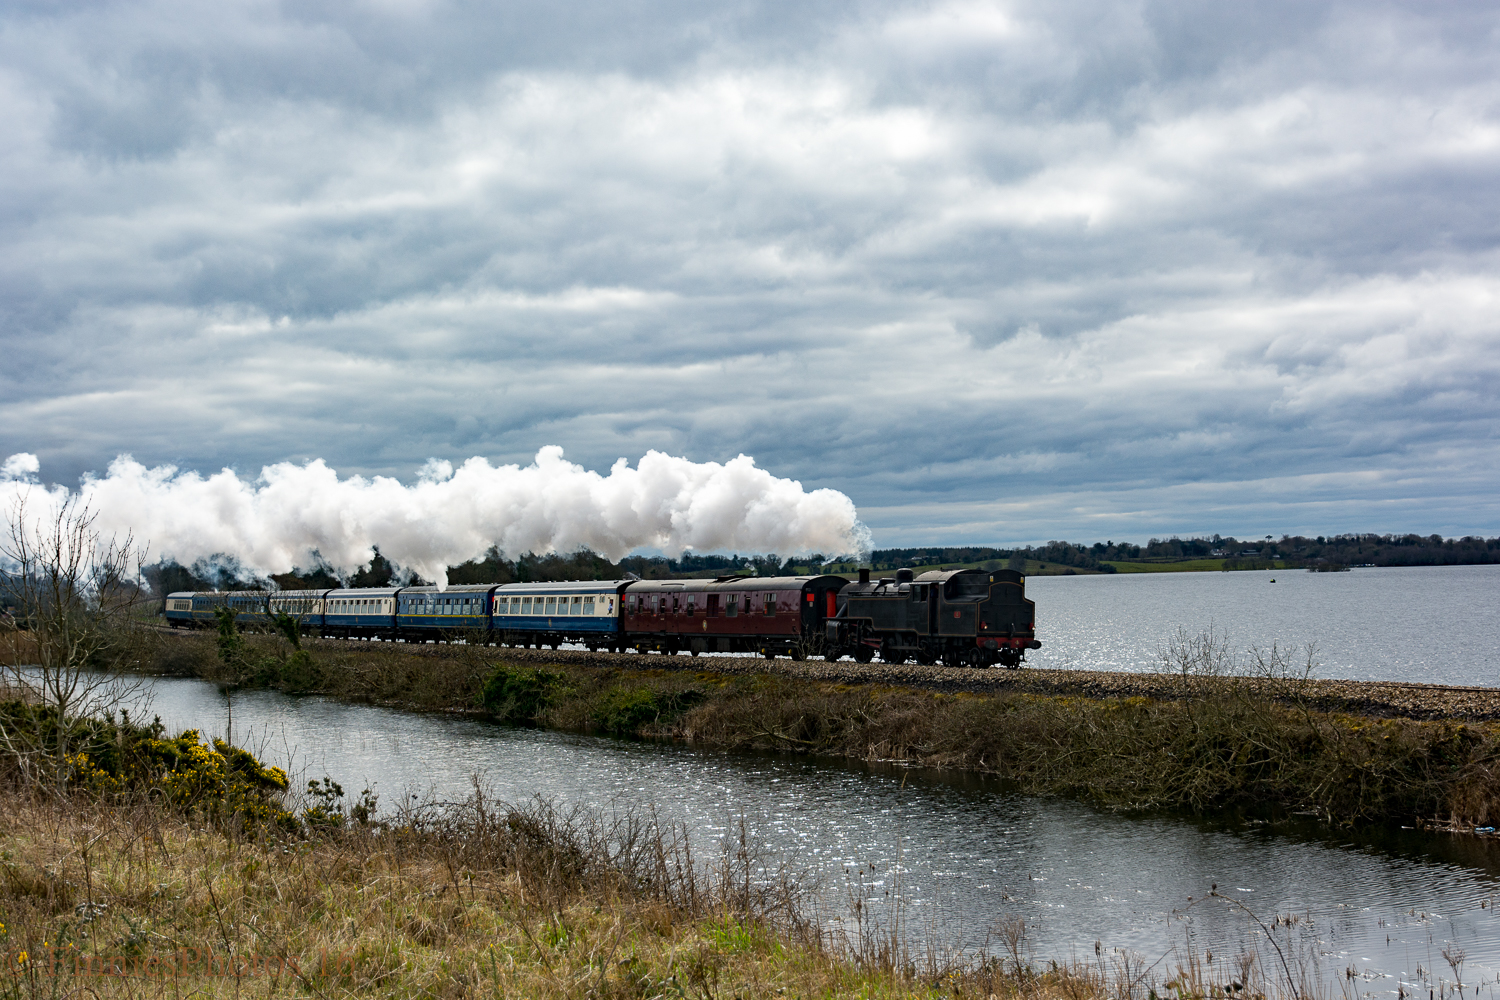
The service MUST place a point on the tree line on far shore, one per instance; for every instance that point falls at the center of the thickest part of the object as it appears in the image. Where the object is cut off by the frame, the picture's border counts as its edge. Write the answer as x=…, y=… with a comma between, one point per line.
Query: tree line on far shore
x=1323, y=551
x=1294, y=550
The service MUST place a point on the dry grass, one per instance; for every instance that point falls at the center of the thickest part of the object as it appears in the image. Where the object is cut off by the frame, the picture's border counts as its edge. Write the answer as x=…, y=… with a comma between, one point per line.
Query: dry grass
x=474, y=900
x=17, y=646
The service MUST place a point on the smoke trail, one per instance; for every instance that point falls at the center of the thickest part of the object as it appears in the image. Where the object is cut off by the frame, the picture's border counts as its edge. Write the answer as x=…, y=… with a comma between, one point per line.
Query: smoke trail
x=278, y=521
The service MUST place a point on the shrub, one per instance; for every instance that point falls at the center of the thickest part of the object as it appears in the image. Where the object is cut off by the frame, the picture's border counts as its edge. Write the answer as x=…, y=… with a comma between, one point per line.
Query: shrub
x=117, y=758
x=519, y=694
x=626, y=711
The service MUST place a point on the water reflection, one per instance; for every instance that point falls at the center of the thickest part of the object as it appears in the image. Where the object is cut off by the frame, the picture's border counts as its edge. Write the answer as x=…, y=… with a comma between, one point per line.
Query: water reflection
x=961, y=853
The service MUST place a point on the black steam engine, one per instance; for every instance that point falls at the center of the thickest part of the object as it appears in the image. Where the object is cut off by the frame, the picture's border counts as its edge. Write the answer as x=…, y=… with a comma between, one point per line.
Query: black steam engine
x=965, y=617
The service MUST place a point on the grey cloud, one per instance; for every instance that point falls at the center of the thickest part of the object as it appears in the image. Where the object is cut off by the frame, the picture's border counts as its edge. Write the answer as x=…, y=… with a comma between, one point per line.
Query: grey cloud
x=1009, y=258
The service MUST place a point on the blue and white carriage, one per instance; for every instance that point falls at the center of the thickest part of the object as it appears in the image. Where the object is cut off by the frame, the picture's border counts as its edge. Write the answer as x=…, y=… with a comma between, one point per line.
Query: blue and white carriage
x=364, y=612
x=306, y=607
x=196, y=608
x=458, y=609
x=515, y=614
x=179, y=608
x=548, y=614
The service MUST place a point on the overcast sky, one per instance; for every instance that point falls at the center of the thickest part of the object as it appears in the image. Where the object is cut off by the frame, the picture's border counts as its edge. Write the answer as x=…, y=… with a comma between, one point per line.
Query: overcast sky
x=1000, y=272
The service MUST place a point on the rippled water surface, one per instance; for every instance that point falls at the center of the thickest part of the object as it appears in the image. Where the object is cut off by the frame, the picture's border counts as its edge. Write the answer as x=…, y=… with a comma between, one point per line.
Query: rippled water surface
x=961, y=855
x=1434, y=624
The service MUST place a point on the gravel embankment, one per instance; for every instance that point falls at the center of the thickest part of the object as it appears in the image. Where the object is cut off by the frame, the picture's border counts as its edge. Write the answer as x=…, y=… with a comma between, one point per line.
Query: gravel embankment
x=1374, y=698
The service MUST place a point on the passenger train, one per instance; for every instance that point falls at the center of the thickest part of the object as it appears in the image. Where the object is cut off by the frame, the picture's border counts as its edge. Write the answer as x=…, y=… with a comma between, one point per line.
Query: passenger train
x=956, y=617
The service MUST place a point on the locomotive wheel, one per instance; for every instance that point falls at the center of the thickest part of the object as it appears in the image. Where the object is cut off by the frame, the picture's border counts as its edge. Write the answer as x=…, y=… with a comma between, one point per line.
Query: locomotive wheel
x=863, y=653
x=768, y=654
x=797, y=655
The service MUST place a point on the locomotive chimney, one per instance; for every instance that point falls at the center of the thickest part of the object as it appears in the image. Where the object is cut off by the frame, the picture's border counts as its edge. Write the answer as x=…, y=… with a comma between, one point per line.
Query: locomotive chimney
x=864, y=574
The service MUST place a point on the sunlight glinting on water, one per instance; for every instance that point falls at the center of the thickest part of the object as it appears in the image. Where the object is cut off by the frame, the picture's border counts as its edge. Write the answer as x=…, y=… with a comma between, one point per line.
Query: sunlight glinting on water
x=958, y=853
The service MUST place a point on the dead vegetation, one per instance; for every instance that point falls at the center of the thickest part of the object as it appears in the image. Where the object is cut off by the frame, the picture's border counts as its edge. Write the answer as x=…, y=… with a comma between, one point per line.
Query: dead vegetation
x=470, y=899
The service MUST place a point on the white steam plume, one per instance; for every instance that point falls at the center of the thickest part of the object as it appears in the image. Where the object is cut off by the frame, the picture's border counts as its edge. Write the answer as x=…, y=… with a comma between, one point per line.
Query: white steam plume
x=278, y=521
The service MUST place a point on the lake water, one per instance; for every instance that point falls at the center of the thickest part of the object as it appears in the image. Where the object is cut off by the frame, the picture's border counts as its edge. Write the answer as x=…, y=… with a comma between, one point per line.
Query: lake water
x=1429, y=624
x=961, y=854
x=1432, y=624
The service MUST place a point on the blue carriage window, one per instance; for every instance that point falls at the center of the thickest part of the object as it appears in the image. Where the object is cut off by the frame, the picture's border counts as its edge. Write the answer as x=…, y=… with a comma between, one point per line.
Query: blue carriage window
x=588, y=604
x=577, y=604
x=551, y=605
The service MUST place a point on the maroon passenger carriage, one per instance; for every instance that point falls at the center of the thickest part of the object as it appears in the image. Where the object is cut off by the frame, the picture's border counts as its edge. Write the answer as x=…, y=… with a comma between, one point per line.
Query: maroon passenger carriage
x=775, y=615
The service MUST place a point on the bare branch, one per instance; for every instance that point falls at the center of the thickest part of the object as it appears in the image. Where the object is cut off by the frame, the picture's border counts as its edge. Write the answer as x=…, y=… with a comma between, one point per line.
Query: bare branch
x=77, y=596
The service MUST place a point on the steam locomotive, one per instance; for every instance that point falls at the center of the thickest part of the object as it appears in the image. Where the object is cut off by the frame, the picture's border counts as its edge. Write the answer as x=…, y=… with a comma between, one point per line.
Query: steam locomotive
x=957, y=617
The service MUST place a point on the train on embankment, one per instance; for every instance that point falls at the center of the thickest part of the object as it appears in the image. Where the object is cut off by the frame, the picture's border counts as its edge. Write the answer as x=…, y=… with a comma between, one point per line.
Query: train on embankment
x=967, y=617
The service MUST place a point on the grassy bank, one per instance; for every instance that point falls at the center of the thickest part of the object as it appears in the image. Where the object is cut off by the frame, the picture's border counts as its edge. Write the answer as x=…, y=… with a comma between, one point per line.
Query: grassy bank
x=113, y=883
x=1206, y=740
x=1219, y=747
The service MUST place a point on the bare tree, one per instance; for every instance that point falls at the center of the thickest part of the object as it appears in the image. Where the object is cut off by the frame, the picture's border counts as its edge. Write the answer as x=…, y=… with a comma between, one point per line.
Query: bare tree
x=76, y=595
